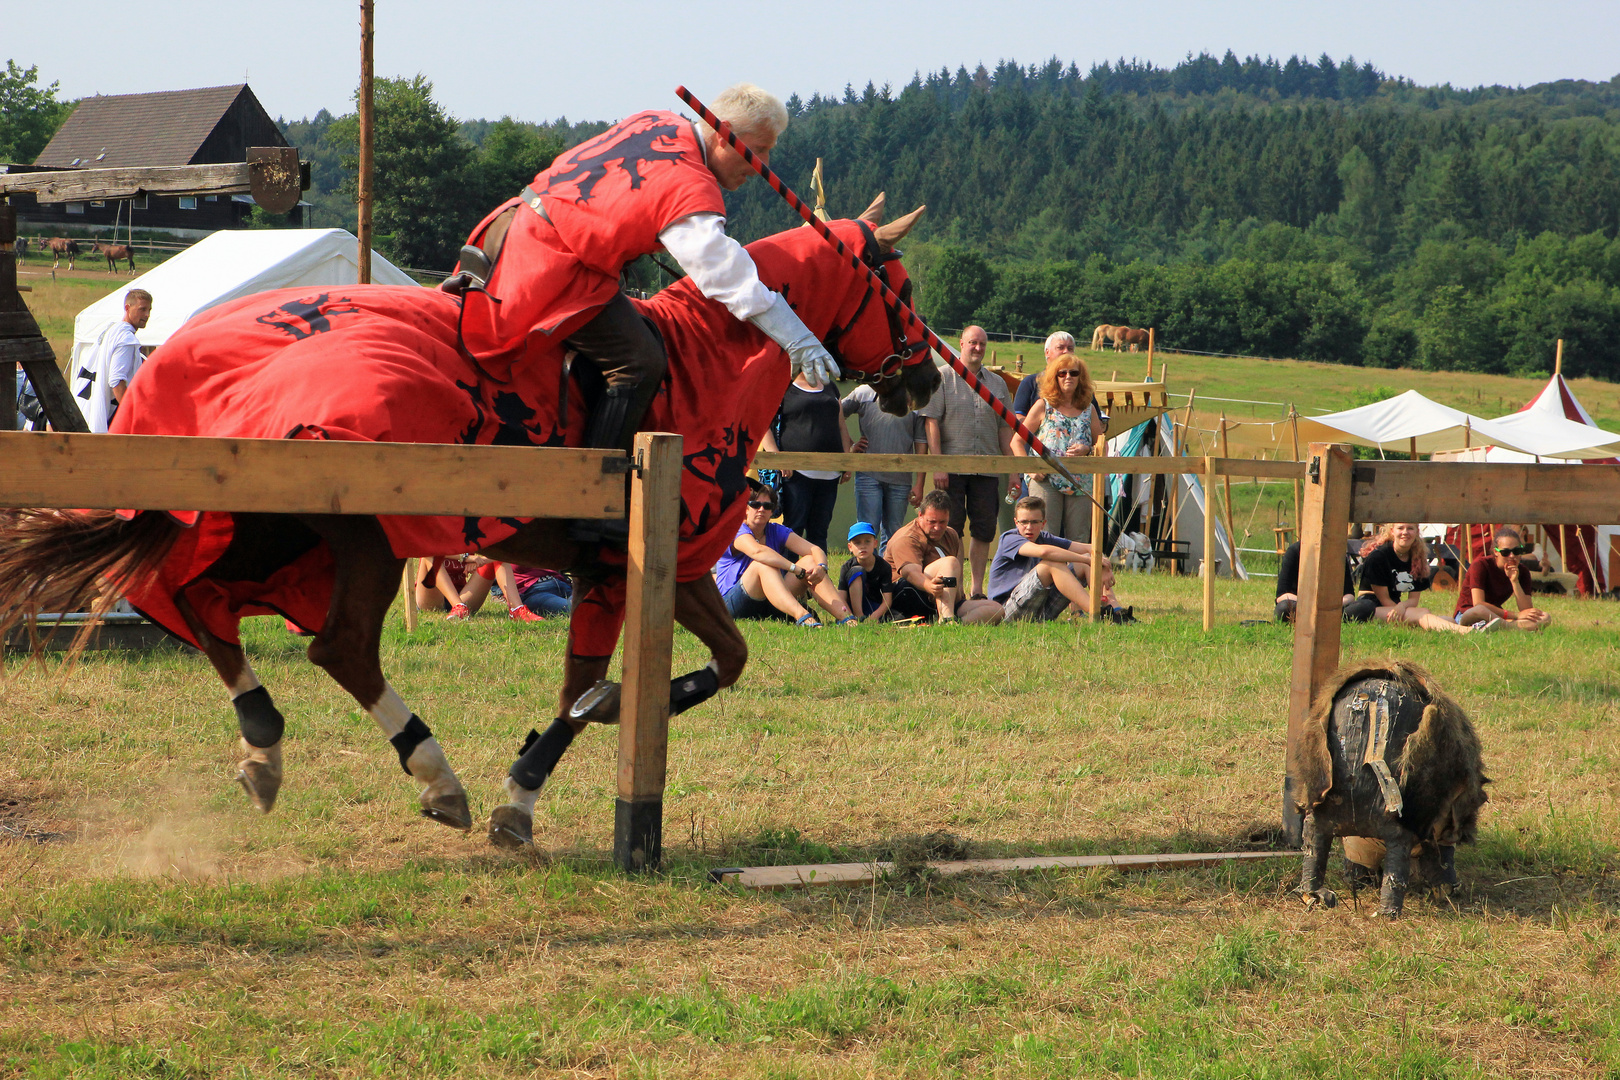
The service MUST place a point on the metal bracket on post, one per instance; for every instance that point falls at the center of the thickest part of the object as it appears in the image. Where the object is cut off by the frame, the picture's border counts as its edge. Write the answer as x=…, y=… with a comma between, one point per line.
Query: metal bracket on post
x=626, y=466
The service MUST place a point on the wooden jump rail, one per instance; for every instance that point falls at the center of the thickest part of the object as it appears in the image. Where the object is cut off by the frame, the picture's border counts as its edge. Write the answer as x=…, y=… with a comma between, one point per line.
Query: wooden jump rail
x=151, y=472
x=1339, y=490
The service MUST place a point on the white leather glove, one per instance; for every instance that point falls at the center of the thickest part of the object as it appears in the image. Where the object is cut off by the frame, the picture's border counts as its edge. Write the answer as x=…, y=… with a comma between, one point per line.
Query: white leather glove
x=782, y=325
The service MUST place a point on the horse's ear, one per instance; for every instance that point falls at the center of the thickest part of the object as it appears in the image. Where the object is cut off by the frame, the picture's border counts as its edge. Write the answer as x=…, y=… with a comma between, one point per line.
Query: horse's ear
x=874, y=214
x=895, y=231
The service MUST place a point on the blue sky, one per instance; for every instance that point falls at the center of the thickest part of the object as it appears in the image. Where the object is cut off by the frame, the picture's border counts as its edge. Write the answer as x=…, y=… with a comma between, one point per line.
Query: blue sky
x=601, y=60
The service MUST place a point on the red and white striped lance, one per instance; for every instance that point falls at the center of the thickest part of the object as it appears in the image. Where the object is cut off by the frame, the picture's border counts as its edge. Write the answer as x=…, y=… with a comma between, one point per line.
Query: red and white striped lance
x=903, y=310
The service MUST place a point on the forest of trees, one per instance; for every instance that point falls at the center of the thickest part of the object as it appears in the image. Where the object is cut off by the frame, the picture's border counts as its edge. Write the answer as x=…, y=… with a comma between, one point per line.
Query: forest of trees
x=1323, y=210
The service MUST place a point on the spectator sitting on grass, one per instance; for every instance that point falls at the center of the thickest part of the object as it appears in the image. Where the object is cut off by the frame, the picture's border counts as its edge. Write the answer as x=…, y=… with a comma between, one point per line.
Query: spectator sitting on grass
x=926, y=557
x=516, y=583
x=1038, y=576
x=1490, y=583
x=439, y=585
x=866, y=582
x=1394, y=569
x=759, y=581
x=1288, y=589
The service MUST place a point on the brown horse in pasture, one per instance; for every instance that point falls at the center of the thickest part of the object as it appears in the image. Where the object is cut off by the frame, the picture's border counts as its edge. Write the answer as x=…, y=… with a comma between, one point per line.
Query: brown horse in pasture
x=117, y=253
x=1102, y=334
x=60, y=246
x=1128, y=337
x=385, y=363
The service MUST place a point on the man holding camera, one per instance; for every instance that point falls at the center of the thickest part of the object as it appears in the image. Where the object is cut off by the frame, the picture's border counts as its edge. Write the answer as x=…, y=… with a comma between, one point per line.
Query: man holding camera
x=926, y=556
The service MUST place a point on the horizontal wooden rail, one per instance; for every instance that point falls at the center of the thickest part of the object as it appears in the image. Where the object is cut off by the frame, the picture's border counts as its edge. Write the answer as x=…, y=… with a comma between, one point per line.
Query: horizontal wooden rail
x=967, y=463
x=1460, y=491
x=307, y=476
x=75, y=185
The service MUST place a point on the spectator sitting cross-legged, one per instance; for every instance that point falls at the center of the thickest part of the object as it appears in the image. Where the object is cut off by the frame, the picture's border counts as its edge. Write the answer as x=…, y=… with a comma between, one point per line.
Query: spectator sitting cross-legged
x=530, y=594
x=1288, y=589
x=1038, y=576
x=440, y=583
x=926, y=557
x=1066, y=419
x=1394, y=569
x=759, y=581
x=1490, y=583
x=866, y=582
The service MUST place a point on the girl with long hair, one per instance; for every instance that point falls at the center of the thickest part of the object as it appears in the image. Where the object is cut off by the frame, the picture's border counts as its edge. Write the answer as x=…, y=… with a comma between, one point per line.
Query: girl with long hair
x=1394, y=569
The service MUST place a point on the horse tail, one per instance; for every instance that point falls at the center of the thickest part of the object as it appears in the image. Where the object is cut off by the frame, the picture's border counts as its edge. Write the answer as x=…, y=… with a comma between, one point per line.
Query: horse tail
x=73, y=560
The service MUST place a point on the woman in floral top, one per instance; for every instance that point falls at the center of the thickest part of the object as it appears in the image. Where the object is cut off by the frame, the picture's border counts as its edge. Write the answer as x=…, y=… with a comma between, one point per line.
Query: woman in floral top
x=1065, y=418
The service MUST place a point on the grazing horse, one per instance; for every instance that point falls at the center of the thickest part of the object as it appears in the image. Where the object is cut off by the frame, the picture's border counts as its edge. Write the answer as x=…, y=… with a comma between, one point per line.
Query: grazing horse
x=117, y=253
x=59, y=246
x=1100, y=335
x=386, y=364
x=1129, y=338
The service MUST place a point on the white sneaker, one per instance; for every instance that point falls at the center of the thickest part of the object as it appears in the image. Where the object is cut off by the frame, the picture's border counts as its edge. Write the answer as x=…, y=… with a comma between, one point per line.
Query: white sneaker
x=1496, y=623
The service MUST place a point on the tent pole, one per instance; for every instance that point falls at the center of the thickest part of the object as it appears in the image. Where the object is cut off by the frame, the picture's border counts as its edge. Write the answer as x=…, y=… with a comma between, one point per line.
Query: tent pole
x=1293, y=417
x=1558, y=358
x=368, y=126
x=1207, y=564
x=1150, y=356
x=1226, y=481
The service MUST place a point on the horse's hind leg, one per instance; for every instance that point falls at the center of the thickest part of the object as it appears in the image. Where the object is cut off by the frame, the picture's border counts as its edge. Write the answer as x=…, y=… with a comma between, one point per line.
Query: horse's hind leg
x=347, y=647
x=257, y=718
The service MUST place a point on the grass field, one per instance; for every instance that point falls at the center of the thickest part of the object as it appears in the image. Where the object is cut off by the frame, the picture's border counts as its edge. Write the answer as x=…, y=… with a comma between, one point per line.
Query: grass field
x=168, y=930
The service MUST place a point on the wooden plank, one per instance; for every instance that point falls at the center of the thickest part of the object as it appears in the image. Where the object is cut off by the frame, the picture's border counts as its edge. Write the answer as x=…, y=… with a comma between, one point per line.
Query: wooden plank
x=407, y=588
x=649, y=632
x=798, y=877
x=1099, y=533
x=305, y=476
x=1318, y=614
x=1461, y=491
x=81, y=185
x=965, y=463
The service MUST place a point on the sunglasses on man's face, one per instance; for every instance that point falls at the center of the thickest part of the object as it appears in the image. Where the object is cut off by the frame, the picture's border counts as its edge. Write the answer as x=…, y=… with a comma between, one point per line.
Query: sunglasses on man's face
x=1520, y=550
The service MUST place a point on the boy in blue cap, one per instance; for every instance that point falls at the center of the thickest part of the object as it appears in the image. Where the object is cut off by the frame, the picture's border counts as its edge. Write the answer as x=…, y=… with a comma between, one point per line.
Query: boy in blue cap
x=866, y=583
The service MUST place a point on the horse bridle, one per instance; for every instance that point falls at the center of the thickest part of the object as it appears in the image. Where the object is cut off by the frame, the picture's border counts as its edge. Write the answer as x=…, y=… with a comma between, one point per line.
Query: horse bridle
x=888, y=373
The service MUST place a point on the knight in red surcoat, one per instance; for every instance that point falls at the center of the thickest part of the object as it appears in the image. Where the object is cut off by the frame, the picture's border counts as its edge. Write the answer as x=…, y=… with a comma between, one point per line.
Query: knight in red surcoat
x=548, y=262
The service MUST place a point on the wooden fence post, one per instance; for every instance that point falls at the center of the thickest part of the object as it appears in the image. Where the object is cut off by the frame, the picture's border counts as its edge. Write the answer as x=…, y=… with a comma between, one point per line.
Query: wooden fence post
x=1150, y=356
x=1293, y=417
x=1099, y=534
x=649, y=630
x=1208, y=565
x=408, y=587
x=1226, y=484
x=1318, y=615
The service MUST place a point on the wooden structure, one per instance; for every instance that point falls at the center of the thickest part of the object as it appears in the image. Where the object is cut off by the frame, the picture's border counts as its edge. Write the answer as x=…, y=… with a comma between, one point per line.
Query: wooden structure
x=149, y=472
x=798, y=877
x=1339, y=489
x=211, y=126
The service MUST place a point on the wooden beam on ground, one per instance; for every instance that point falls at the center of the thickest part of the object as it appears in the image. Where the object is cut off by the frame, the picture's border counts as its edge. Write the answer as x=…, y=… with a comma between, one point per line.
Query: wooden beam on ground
x=649, y=630
x=307, y=476
x=1462, y=491
x=1318, y=614
x=798, y=877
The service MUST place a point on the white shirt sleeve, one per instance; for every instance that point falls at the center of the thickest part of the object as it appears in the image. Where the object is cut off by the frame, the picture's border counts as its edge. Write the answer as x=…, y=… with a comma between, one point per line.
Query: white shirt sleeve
x=717, y=264
x=124, y=357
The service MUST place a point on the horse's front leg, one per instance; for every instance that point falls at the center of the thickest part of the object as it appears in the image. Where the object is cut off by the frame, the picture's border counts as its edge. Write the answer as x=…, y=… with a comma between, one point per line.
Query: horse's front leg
x=585, y=699
x=348, y=647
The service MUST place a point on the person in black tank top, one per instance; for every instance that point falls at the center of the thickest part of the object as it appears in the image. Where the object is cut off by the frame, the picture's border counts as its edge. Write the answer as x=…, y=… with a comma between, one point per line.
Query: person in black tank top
x=1394, y=571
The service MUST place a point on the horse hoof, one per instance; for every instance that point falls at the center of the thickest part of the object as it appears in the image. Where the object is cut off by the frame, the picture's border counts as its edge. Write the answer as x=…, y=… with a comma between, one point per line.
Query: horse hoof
x=1329, y=898
x=451, y=810
x=261, y=781
x=598, y=705
x=1325, y=897
x=511, y=828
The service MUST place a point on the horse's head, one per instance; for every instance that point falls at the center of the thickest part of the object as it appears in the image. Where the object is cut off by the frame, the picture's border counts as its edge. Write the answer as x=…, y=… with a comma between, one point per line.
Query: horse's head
x=844, y=309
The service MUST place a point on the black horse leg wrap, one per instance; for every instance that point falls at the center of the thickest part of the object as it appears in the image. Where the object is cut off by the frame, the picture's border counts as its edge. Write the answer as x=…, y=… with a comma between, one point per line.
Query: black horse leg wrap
x=541, y=753
x=692, y=689
x=257, y=717
x=414, y=734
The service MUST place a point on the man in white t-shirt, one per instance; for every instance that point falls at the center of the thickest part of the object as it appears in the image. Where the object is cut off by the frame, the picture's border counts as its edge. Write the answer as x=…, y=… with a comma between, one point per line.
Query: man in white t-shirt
x=105, y=376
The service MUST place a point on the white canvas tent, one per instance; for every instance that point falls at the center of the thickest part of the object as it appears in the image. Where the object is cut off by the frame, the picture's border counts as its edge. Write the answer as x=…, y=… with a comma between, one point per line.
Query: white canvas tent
x=1402, y=421
x=227, y=266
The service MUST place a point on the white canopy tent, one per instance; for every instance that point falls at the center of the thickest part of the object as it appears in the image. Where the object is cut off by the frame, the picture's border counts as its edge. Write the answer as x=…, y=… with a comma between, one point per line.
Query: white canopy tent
x=230, y=265
x=1403, y=422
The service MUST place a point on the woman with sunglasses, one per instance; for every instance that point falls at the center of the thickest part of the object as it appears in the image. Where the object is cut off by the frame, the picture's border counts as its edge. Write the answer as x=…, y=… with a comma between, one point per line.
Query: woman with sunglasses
x=759, y=580
x=1394, y=569
x=1490, y=583
x=1065, y=418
